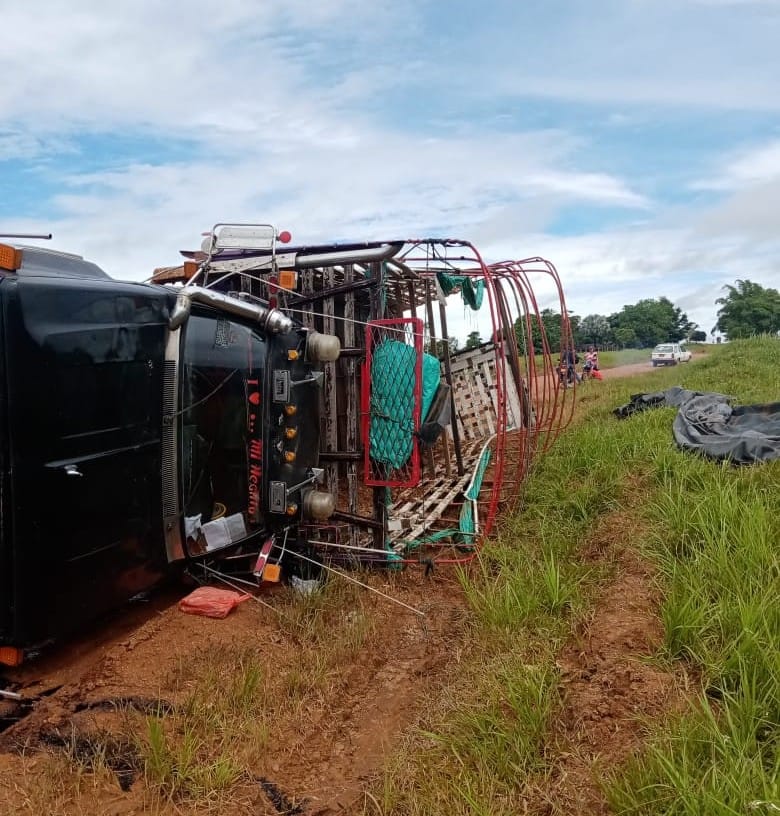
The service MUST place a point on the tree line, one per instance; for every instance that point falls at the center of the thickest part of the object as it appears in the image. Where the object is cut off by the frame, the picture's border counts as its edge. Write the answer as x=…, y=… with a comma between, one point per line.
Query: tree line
x=638, y=325
x=746, y=309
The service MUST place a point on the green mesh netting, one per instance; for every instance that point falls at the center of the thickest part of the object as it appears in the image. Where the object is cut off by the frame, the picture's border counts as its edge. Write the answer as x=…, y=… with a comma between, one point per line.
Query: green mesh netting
x=472, y=291
x=391, y=428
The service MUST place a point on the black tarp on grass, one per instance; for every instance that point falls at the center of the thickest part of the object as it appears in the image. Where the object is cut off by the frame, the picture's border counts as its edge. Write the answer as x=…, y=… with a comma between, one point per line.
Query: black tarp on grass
x=707, y=424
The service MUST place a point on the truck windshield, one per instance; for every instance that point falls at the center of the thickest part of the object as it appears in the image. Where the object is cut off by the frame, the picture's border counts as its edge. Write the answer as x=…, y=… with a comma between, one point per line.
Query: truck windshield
x=221, y=432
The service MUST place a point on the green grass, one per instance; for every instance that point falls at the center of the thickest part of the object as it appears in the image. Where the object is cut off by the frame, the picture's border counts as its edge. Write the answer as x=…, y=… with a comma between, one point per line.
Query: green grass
x=492, y=740
x=201, y=749
x=717, y=529
x=711, y=530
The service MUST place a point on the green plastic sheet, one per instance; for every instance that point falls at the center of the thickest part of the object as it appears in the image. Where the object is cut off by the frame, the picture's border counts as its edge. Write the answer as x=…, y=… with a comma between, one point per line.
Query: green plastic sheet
x=471, y=290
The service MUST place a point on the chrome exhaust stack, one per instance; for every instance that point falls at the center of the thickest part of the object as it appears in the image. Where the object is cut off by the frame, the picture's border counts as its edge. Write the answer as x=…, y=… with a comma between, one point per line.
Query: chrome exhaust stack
x=271, y=320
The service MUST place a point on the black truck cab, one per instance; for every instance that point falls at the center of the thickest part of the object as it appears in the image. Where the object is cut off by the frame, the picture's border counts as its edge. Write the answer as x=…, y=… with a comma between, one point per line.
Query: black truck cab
x=140, y=425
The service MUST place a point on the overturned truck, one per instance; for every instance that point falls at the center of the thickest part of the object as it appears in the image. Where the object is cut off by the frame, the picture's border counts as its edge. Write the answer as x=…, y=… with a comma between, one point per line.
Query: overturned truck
x=259, y=409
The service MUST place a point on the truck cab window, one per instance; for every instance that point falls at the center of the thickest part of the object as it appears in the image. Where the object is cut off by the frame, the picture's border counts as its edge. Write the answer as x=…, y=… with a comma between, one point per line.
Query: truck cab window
x=222, y=368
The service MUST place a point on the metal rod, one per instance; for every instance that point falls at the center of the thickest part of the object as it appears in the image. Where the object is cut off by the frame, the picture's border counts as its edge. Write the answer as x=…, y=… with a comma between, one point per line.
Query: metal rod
x=377, y=311
x=379, y=253
x=412, y=295
x=315, y=477
x=362, y=521
x=383, y=553
x=344, y=288
x=432, y=350
x=41, y=236
x=342, y=456
x=359, y=583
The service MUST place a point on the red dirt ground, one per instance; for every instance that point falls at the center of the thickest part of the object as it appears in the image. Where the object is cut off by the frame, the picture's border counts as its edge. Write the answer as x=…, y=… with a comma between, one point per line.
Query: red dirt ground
x=610, y=689
x=321, y=761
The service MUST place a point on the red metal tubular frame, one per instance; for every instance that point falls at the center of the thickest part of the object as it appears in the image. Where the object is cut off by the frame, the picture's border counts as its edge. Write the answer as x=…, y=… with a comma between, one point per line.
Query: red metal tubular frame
x=515, y=451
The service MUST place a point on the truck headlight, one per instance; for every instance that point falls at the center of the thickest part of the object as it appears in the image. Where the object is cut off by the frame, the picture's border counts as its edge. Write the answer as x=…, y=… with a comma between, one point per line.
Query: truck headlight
x=318, y=505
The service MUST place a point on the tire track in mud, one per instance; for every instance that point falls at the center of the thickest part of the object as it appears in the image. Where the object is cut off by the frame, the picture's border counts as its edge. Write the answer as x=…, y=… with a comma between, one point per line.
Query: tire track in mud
x=609, y=686
x=376, y=700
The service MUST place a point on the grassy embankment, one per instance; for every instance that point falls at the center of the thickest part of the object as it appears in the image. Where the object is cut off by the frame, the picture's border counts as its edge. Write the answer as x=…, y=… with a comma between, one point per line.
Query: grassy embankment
x=711, y=534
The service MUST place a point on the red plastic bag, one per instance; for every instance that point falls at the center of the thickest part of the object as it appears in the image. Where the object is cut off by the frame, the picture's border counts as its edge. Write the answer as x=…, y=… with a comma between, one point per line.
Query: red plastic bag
x=597, y=374
x=211, y=602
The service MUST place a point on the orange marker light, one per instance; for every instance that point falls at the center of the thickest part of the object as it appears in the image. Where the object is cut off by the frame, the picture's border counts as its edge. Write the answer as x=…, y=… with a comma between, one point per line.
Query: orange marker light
x=289, y=456
x=290, y=433
x=11, y=656
x=10, y=257
x=290, y=409
x=288, y=279
x=272, y=573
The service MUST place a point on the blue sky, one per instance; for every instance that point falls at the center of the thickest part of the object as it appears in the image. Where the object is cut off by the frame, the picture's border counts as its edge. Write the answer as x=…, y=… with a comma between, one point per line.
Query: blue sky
x=634, y=143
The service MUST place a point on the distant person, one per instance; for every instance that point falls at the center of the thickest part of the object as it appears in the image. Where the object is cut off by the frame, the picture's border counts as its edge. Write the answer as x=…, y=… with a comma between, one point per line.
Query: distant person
x=591, y=359
x=569, y=358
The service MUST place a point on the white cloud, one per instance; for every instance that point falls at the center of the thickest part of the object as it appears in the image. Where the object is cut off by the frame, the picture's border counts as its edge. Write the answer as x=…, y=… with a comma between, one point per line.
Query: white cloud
x=767, y=3
x=229, y=66
x=358, y=186
x=18, y=145
x=750, y=213
x=749, y=183
x=750, y=166
x=660, y=53
x=283, y=103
